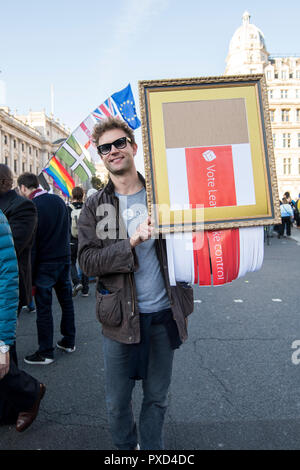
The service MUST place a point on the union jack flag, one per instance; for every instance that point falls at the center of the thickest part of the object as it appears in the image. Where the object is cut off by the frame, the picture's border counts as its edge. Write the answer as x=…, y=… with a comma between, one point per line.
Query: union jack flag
x=105, y=110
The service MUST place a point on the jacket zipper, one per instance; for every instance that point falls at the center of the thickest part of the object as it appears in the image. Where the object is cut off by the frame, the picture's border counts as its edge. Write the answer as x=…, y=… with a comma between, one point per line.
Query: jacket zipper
x=132, y=294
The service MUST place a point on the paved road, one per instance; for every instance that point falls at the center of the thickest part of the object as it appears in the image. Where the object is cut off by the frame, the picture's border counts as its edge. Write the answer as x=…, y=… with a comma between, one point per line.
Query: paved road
x=234, y=383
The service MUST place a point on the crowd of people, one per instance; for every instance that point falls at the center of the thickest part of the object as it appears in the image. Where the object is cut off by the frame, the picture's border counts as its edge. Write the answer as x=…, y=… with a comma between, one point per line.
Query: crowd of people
x=35, y=243
x=290, y=215
x=143, y=317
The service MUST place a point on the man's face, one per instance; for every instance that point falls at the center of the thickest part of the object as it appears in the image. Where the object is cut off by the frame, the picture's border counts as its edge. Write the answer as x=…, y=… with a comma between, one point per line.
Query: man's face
x=118, y=161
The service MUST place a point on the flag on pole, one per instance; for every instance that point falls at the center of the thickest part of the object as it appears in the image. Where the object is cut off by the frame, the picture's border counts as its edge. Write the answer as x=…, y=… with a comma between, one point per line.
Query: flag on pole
x=75, y=155
x=126, y=106
x=121, y=104
x=79, y=151
x=105, y=110
x=83, y=135
x=60, y=176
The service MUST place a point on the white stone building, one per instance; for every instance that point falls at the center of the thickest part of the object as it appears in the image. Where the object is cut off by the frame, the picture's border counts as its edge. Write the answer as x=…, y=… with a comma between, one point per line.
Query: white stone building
x=248, y=54
x=27, y=142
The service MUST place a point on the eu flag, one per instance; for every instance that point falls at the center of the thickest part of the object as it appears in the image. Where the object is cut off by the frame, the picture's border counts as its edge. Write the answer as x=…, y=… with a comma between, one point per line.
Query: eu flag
x=125, y=103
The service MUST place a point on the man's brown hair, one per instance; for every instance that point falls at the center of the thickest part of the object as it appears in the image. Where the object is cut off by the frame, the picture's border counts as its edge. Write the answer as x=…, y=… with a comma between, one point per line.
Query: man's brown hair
x=30, y=180
x=109, y=124
x=77, y=193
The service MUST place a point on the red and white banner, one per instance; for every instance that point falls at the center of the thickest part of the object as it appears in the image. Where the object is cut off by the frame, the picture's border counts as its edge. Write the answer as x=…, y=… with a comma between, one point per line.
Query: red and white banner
x=217, y=176
x=214, y=257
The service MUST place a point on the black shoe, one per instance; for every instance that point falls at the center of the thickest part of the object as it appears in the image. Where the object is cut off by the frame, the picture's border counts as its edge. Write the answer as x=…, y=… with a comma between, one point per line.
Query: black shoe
x=36, y=358
x=76, y=289
x=61, y=345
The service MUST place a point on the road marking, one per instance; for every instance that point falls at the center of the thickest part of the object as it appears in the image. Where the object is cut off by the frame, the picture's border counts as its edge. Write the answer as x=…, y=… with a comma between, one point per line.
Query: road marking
x=197, y=301
x=276, y=300
x=238, y=301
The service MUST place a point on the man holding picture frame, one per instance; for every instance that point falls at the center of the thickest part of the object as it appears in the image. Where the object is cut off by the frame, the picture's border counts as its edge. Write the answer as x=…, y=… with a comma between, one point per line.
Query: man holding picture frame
x=143, y=318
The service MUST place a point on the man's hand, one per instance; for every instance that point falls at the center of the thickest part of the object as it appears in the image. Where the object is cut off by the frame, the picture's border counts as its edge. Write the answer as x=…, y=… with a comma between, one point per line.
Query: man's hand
x=4, y=364
x=143, y=232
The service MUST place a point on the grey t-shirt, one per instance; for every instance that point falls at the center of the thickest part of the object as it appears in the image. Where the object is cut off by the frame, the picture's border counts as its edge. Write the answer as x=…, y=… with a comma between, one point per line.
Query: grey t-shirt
x=151, y=292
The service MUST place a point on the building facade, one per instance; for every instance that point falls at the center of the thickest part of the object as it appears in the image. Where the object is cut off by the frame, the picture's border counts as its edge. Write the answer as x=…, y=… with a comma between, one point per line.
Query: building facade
x=28, y=142
x=248, y=54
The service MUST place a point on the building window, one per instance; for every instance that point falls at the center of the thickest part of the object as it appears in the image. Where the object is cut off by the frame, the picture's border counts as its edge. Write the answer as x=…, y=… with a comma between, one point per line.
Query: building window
x=30, y=168
x=272, y=115
x=6, y=160
x=285, y=115
x=286, y=140
x=15, y=166
x=15, y=144
x=283, y=74
x=36, y=153
x=23, y=166
x=299, y=166
x=29, y=150
x=271, y=94
x=283, y=94
x=274, y=140
x=23, y=147
x=269, y=74
x=297, y=73
x=298, y=139
x=297, y=115
x=287, y=166
x=297, y=94
x=5, y=140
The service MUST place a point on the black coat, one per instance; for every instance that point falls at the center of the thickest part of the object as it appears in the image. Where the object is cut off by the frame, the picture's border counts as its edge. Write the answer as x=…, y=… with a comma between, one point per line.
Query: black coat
x=22, y=217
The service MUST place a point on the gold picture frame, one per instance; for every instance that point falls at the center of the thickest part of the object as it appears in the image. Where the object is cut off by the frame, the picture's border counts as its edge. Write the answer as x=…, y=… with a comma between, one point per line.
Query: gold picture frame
x=208, y=153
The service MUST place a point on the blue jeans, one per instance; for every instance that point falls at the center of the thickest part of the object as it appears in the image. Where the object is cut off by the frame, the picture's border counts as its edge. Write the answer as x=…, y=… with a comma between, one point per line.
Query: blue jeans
x=119, y=389
x=57, y=276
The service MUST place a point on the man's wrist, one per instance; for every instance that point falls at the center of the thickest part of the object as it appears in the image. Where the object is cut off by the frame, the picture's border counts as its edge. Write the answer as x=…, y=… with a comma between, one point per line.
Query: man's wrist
x=134, y=240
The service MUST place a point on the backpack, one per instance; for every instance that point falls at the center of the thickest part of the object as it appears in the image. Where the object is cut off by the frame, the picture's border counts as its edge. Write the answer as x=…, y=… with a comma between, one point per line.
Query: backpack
x=75, y=213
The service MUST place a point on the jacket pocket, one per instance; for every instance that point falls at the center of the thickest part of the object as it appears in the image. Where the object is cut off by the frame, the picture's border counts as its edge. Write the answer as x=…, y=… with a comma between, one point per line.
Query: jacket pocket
x=109, y=309
x=186, y=297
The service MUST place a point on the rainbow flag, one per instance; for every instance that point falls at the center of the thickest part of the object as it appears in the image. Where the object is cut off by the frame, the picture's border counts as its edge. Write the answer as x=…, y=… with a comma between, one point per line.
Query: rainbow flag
x=60, y=176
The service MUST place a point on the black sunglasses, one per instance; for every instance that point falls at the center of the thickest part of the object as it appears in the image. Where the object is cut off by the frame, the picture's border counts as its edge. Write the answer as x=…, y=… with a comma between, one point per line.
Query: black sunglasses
x=120, y=143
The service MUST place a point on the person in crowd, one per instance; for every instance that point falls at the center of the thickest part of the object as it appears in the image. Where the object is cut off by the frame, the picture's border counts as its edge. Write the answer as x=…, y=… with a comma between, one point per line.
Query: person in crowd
x=22, y=218
x=287, y=216
x=75, y=209
x=143, y=318
x=297, y=212
x=51, y=270
x=20, y=393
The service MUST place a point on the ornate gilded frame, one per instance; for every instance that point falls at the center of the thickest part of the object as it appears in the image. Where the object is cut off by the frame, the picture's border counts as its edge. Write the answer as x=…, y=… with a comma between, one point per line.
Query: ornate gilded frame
x=158, y=101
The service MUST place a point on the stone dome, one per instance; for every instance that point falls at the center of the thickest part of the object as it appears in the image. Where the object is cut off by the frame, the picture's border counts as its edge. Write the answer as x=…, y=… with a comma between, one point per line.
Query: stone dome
x=246, y=35
x=247, y=45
